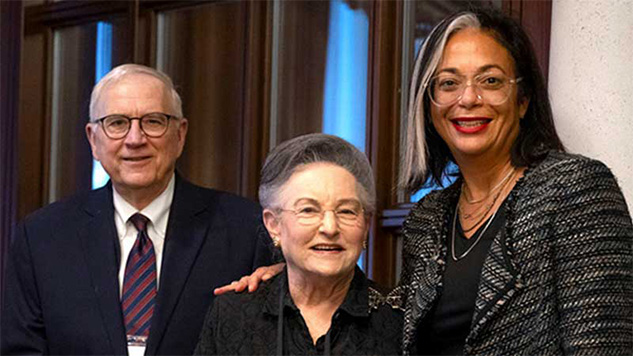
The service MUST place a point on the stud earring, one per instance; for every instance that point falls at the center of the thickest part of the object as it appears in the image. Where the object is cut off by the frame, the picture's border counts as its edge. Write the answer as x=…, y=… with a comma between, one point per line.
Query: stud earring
x=364, y=244
x=276, y=241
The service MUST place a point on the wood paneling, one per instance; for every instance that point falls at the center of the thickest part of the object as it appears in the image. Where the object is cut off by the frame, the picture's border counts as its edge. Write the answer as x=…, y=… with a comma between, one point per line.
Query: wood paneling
x=256, y=129
x=39, y=18
x=10, y=43
x=34, y=131
x=73, y=73
x=536, y=19
x=302, y=59
x=384, y=123
x=203, y=53
x=219, y=55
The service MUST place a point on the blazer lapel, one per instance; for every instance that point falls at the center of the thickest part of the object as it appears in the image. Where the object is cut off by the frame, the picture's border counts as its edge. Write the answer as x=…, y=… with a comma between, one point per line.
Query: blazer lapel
x=500, y=279
x=188, y=224
x=98, y=238
x=426, y=229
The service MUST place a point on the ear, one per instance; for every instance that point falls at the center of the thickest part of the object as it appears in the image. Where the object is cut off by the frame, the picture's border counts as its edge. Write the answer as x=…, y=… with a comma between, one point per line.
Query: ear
x=182, y=134
x=523, y=106
x=91, y=132
x=271, y=222
x=368, y=219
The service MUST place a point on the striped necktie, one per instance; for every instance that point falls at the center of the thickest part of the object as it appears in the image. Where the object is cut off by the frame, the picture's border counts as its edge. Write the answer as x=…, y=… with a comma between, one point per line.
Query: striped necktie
x=139, y=286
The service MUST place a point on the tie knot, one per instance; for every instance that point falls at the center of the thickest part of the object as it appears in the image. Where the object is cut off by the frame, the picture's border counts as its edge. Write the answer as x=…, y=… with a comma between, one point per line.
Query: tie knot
x=139, y=221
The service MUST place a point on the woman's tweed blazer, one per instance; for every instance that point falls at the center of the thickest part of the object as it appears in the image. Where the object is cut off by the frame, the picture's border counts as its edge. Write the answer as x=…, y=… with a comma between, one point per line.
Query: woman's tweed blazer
x=561, y=282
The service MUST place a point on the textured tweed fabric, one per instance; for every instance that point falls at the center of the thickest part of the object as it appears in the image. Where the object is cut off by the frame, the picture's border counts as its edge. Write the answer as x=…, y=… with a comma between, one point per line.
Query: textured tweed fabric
x=561, y=282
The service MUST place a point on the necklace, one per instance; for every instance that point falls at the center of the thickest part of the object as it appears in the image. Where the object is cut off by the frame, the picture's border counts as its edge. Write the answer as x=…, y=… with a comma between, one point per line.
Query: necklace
x=489, y=207
x=499, y=185
x=481, y=216
x=457, y=258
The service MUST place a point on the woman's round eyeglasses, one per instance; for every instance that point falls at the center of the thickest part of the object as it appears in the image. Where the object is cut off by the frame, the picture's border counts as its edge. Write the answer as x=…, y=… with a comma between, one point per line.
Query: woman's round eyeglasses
x=153, y=124
x=350, y=215
x=492, y=88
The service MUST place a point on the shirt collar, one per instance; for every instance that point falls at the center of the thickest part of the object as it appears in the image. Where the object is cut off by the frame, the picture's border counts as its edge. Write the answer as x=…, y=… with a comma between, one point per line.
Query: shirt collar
x=157, y=211
x=356, y=302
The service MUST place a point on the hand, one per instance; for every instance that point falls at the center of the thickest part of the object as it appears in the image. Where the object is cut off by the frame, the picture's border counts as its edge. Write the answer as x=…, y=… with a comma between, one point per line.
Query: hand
x=252, y=282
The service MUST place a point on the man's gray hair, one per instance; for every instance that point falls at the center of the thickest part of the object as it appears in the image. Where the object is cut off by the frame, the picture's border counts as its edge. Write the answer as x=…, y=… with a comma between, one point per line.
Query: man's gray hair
x=119, y=73
x=414, y=163
x=290, y=156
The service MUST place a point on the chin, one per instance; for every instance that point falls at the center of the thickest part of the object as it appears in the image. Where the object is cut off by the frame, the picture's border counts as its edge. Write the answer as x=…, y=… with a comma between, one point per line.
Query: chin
x=138, y=181
x=471, y=150
x=331, y=271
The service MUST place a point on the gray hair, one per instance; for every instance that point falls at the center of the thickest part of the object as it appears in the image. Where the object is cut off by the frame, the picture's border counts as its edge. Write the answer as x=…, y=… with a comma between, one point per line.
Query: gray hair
x=414, y=163
x=119, y=73
x=288, y=157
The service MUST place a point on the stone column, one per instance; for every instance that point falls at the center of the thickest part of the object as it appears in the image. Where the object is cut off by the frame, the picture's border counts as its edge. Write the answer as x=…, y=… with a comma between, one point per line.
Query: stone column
x=591, y=82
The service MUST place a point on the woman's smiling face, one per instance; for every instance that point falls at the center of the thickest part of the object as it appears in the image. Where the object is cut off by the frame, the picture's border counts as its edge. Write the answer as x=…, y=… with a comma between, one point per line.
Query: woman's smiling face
x=472, y=127
x=325, y=247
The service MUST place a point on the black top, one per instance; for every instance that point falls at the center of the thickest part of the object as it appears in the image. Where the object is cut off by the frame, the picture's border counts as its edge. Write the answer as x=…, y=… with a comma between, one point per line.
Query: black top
x=444, y=330
x=250, y=323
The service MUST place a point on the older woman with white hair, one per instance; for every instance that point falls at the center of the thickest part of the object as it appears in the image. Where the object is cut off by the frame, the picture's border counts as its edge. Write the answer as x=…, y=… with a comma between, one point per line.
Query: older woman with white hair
x=318, y=195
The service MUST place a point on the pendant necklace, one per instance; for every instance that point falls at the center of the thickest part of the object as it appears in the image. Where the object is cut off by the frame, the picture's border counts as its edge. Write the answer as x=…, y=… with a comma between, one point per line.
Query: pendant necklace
x=453, y=255
x=488, y=207
x=481, y=216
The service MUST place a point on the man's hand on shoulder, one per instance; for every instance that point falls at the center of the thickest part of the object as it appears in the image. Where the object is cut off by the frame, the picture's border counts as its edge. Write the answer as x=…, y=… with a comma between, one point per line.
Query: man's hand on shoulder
x=251, y=282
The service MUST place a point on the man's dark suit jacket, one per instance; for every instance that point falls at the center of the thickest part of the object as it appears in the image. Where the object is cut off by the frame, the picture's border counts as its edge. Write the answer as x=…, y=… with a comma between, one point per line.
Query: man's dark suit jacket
x=62, y=289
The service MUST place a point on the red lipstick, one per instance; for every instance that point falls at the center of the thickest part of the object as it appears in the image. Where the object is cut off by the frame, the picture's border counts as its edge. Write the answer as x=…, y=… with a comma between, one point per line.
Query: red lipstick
x=470, y=125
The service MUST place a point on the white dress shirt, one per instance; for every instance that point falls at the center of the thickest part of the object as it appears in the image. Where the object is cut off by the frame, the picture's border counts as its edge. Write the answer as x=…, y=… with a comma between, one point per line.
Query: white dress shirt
x=158, y=214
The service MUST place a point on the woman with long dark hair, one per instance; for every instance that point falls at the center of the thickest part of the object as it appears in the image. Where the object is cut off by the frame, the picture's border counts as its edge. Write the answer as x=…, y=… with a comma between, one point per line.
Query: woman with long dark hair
x=529, y=251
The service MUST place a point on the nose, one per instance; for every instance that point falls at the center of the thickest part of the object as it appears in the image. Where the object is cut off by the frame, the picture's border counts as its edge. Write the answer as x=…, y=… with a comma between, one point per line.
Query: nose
x=471, y=95
x=329, y=225
x=135, y=136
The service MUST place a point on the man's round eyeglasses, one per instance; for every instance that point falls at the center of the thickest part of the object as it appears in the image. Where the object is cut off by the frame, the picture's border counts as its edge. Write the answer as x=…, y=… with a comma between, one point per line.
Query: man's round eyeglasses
x=312, y=215
x=153, y=124
x=492, y=88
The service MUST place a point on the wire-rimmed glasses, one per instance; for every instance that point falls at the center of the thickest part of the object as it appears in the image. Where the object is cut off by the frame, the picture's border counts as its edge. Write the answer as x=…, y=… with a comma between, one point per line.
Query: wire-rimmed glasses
x=349, y=214
x=153, y=124
x=492, y=88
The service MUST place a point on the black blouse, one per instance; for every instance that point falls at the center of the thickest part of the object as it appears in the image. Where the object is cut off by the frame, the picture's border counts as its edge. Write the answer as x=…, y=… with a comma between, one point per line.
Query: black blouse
x=445, y=329
x=251, y=323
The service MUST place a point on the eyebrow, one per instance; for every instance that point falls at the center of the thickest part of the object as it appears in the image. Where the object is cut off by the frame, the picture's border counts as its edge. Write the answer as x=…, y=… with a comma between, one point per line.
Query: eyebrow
x=316, y=202
x=479, y=70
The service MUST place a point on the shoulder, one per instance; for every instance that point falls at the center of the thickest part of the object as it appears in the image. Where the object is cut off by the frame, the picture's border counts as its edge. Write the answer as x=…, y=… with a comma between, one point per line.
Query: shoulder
x=562, y=175
x=556, y=163
x=438, y=198
x=219, y=198
x=234, y=211
x=575, y=195
x=432, y=206
x=67, y=211
x=237, y=307
x=428, y=218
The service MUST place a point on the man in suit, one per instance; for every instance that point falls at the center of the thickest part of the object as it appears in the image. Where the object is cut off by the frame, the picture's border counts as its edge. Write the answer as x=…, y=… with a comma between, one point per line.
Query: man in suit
x=131, y=267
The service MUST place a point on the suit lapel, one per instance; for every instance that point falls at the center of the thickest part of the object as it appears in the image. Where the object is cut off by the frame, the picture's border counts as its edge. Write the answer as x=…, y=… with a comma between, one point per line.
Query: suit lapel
x=500, y=280
x=98, y=238
x=426, y=229
x=188, y=224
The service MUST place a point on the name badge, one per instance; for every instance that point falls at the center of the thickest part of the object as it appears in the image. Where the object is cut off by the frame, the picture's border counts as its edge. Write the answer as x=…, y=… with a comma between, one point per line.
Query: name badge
x=136, y=340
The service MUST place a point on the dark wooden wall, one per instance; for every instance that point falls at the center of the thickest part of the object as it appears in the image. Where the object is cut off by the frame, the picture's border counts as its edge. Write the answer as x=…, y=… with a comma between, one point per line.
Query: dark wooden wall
x=223, y=70
x=10, y=36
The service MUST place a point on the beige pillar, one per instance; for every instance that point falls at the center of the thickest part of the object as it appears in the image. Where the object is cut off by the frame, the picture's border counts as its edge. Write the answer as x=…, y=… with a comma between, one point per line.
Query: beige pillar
x=591, y=81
